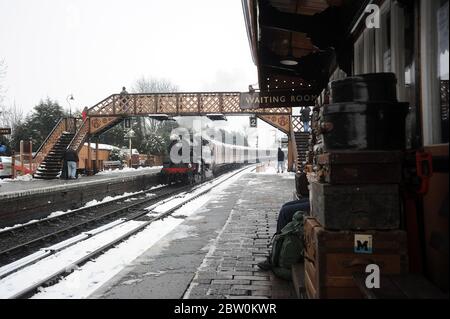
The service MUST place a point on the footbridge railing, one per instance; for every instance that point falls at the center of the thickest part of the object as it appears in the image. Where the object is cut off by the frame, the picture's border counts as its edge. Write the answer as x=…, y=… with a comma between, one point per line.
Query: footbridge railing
x=177, y=104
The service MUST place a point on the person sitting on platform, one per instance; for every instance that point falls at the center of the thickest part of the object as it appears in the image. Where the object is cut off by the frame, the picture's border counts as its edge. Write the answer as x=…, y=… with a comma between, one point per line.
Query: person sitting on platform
x=288, y=210
x=302, y=204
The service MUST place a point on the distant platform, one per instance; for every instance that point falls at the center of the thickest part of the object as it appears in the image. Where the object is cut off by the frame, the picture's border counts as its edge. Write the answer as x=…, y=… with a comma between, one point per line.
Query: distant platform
x=214, y=251
x=28, y=186
x=24, y=199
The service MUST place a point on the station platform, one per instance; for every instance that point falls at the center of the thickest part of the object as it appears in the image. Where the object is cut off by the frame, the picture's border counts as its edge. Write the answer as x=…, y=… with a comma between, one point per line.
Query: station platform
x=213, y=253
x=28, y=186
x=24, y=198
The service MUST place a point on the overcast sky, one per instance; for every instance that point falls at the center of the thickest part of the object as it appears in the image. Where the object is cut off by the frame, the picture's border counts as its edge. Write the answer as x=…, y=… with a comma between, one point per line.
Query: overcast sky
x=92, y=48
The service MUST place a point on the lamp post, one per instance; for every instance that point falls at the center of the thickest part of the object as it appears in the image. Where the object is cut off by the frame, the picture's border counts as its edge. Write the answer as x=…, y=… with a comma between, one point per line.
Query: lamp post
x=130, y=134
x=68, y=99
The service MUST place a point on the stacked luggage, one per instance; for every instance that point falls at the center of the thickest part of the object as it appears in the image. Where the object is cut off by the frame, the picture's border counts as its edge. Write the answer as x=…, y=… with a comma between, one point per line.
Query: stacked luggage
x=355, y=202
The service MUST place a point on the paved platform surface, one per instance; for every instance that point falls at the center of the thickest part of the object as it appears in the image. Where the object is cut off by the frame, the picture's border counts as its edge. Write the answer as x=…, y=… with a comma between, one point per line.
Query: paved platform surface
x=14, y=188
x=214, y=252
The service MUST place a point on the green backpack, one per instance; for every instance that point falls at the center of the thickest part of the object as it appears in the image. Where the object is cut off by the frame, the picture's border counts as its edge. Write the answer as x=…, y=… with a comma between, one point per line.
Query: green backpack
x=287, y=247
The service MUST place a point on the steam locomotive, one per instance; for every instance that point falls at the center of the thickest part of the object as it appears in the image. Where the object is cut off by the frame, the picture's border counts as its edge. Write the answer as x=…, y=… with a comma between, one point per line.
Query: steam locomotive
x=195, y=160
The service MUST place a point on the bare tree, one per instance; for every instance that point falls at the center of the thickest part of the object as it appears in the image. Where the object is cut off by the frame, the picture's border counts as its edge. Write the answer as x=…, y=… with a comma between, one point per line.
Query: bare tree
x=153, y=85
x=8, y=115
x=151, y=136
x=11, y=116
x=2, y=76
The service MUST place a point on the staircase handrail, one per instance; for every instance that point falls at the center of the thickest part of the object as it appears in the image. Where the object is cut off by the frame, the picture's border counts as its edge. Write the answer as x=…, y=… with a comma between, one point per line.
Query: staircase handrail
x=294, y=145
x=297, y=124
x=77, y=134
x=48, y=137
x=49, y=142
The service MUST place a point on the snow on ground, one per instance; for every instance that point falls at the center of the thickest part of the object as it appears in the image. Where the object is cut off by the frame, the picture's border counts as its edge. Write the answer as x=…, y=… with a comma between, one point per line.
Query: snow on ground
x=270, y=168
x=28, y=177
x=18, y=281
x=91, y=276
x=103, y=146
x=85, y=280
x=21, y=178
x=88, y=204
x=109, y=198
x=204, y=198
x=129, y=169
x=18, y=225
x=95, y=202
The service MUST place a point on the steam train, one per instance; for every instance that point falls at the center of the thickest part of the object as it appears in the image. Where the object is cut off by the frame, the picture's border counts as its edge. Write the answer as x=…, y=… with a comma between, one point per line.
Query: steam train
x=195, y=160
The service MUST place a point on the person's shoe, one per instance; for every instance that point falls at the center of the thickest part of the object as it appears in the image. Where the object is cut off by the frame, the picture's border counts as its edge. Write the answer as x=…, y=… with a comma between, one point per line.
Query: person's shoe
x=265, y=265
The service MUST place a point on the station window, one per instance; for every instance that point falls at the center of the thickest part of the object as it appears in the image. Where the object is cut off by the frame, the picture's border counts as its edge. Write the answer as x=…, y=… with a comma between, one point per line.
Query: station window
x=443, y=61
x=435, y=70
x=358, y=66
x=383, y=40
x=391, y=48
x=394, y=48
x=364, y=52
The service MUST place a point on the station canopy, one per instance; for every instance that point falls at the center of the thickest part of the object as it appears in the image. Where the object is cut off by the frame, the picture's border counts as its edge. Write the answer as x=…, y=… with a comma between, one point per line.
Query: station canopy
x=296, y=44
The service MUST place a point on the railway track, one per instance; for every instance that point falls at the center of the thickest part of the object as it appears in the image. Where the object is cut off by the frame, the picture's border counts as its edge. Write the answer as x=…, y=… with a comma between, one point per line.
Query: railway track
x=125, y=223
x=19, y=241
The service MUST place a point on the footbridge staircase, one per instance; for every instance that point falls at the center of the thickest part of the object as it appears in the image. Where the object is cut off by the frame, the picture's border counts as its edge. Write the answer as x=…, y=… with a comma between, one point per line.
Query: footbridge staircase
x=300, y=138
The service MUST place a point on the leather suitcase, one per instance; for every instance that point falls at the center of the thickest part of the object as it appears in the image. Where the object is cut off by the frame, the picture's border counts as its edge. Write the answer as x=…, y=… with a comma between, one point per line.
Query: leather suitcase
x=353, y=207
x=365, y=88
x=369, y=126
x=332, y=258
x=369, y=167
